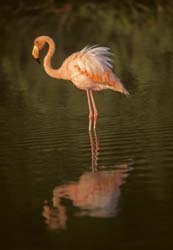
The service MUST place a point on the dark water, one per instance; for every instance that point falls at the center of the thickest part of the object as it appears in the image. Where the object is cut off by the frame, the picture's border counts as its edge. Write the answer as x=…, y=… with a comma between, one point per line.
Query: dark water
x=63, y=188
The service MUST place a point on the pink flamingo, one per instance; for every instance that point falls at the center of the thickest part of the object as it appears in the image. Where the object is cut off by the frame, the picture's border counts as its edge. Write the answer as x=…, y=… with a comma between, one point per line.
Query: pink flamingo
x=89, y=69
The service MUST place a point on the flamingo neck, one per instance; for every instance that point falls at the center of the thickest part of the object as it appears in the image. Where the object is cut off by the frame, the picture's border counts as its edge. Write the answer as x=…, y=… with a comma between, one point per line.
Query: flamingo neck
x=55, y=73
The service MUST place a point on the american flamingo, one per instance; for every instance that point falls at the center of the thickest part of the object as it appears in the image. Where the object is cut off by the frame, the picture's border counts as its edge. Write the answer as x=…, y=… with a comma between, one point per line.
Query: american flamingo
x=89, y=69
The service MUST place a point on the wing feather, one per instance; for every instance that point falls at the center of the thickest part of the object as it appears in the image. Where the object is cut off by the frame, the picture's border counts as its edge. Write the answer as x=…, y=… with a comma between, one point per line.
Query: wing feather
x=95, y=63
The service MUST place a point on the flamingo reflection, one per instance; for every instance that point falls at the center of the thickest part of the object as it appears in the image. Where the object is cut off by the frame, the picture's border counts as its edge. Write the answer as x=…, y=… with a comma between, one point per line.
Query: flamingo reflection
x=95, y=194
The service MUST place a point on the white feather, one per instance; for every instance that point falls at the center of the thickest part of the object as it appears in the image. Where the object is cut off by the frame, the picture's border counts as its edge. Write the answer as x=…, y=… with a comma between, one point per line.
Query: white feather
x=101, y=55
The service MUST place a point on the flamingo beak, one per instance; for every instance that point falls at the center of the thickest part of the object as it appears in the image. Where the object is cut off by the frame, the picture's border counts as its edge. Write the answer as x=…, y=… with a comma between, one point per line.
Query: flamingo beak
x=35, y=53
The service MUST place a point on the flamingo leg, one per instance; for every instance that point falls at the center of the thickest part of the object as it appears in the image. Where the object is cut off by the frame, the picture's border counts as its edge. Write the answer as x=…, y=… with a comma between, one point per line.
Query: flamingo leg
x=94, y=108
x=90, y=110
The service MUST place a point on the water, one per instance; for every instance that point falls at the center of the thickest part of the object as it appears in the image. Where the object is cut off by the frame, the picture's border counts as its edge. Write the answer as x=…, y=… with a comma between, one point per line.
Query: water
x=63, y=188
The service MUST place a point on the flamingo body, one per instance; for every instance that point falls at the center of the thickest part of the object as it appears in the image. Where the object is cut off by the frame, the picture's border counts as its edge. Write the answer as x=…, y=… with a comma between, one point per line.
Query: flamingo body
x=89, y=69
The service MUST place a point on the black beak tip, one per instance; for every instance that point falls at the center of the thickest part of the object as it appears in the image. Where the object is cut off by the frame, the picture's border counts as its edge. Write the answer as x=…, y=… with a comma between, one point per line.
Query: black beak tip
x=38, y=60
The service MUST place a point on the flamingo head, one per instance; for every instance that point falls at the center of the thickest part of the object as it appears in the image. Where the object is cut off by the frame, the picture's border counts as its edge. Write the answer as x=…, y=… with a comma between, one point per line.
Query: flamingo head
x=38, y=45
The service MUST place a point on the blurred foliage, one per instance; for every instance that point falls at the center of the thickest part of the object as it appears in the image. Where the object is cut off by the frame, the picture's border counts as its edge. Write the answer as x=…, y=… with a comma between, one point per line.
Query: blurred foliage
x=30, y=7
x=119, y=4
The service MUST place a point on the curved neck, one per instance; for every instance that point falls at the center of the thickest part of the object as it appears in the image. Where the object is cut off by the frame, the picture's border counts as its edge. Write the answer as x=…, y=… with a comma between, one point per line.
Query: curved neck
x=47, y=60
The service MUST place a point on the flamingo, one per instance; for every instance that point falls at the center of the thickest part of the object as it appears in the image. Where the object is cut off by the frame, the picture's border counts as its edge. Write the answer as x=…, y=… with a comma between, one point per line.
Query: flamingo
x=89, y=69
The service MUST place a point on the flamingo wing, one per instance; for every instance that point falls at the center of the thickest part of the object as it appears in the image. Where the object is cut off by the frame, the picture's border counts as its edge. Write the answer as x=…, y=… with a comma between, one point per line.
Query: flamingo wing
x=94, y=62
